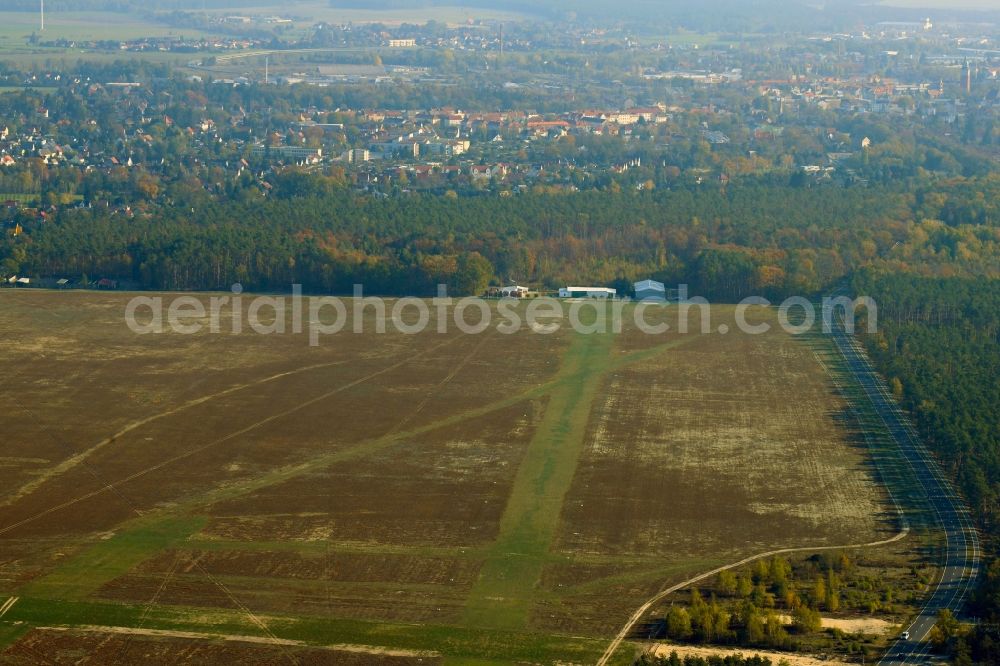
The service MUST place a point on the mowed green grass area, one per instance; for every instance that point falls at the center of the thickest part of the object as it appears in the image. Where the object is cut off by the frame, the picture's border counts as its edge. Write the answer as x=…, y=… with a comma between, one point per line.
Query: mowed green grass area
x=307, y=13
x=503, y=596
x=83, y=575
x=15, y=27
x=211, y=519
x=305, y=16
x=506, y=591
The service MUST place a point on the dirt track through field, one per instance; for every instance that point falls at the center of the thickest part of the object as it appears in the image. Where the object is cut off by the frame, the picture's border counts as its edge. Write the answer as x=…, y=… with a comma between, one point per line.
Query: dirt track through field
x=168, y=633
x=111, y=487
x=81, y=457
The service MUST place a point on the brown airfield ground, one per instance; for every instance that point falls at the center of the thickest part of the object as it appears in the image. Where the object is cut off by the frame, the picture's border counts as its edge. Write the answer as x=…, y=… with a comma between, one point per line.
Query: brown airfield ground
x=491, y=497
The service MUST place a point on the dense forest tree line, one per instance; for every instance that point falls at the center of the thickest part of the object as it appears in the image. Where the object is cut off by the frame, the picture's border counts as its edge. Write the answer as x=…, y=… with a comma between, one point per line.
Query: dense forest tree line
x=727, y=243
x=939, y=345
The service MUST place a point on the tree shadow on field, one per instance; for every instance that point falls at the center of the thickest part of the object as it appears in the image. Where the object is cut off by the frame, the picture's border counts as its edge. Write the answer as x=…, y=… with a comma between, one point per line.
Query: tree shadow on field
x=650, y=630
x=864, y=432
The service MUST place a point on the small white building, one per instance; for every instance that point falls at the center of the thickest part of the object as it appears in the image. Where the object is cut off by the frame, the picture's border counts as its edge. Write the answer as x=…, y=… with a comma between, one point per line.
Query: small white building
x=650, y=290
x=587, y=292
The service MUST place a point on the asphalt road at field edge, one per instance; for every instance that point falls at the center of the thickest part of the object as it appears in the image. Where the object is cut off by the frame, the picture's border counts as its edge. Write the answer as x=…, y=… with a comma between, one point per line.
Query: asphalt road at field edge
x=962, y=550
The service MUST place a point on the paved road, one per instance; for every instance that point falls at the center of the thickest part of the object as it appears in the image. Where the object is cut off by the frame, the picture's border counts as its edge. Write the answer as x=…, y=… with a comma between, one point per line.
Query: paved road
x=962, y=552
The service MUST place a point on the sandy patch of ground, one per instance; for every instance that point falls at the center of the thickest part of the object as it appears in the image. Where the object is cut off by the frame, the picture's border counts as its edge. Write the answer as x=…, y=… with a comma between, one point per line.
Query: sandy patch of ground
x=775, y=657
x=133, y=631
x=855, y=625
